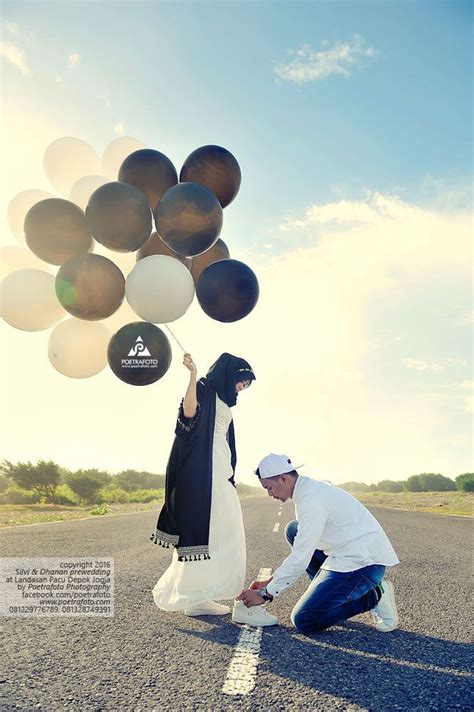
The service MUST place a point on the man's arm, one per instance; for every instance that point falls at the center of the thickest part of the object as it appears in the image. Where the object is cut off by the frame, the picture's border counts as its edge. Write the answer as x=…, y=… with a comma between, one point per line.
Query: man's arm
x=311, y=522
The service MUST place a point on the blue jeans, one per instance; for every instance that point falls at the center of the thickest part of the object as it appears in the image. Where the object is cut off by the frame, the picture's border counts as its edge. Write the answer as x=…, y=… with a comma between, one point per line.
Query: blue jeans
x=333, y=596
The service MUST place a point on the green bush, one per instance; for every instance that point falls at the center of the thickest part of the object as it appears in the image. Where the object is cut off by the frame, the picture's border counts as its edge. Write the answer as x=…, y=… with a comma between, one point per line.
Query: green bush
x=5, y=483
x=465, y=482
x=437, y=483
x=355, y=487
x=144, y=495
x=413, y=484
x=390, y=486
x=131, y=481
x=85, y=485
x=430, y=482
x=42, y=478
x=16, y=495
x=112, y=495
x=100, y=510
x=64, y=495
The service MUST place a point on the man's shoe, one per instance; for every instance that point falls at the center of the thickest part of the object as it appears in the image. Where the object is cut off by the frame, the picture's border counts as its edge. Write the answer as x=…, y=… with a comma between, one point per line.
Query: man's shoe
x=208, y=608
x=257, y=616
x=385, y=612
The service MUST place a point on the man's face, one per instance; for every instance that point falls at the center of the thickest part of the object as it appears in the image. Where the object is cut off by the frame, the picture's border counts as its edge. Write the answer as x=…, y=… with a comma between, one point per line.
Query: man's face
x=278, y=487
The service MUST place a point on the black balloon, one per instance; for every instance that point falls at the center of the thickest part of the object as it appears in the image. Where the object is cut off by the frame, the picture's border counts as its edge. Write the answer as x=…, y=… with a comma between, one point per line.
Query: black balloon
x=219, y=251
x=150, y=171
x=139, y=353
x=90, y=287
x=227, y=290
x=217, y=169
x=56, y=230
x=188, y=219
x=119, y=217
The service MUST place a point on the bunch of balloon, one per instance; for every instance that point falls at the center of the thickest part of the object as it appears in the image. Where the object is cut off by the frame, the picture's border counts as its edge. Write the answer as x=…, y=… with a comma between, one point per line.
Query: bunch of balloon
x=188, y=220
x=173, y=227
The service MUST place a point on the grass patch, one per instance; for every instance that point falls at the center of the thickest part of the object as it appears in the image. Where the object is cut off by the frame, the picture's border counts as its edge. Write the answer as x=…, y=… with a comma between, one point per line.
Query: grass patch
x=13, y=515
x=458, y=503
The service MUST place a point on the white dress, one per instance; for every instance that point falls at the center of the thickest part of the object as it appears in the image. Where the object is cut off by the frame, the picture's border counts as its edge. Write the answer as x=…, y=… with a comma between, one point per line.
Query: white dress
x=185, y=584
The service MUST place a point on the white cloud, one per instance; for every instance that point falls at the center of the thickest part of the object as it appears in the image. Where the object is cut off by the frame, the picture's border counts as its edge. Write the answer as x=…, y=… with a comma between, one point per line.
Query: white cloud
x=15, y=56
x=74, y=59
x=432, y=365
x=310, y=65
x=375, y=210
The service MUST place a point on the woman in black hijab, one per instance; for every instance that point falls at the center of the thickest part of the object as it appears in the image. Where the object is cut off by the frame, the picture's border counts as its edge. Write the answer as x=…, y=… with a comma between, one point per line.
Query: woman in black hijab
x=201, y=516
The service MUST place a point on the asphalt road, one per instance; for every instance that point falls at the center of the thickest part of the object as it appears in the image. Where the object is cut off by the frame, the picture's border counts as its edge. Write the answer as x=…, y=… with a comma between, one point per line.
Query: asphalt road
x=144, y=659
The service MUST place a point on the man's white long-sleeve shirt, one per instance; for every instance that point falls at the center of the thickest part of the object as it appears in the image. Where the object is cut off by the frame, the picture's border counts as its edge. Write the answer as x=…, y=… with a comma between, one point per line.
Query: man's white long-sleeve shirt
x=333, y=521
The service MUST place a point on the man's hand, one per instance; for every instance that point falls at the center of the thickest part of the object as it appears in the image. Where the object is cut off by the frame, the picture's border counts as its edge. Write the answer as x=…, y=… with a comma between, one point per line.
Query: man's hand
x=250, y=598
x=259, y=584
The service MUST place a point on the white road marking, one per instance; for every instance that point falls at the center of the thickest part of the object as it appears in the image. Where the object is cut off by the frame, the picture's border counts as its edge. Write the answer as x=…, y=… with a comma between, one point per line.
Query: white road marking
x=242, y=673
x=279, y=513
x=276, y=527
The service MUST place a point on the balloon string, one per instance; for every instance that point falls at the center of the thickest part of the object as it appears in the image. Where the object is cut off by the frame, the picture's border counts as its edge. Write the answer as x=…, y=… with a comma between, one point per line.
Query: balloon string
x=174, y=337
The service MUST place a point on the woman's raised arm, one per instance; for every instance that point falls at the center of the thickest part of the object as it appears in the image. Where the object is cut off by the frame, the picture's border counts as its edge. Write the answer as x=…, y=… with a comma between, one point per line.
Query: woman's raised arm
x=190, y=398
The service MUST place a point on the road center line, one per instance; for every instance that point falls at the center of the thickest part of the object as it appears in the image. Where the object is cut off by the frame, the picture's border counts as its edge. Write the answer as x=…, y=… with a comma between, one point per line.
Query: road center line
x=242, y=673
x=276, y=527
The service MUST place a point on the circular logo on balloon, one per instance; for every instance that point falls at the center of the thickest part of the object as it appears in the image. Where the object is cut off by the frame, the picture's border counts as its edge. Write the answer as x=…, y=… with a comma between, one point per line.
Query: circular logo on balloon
x=139, y=353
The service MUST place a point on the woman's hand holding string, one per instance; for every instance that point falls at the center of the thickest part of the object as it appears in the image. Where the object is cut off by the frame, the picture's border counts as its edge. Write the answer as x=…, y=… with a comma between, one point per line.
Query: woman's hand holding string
x=190, y=399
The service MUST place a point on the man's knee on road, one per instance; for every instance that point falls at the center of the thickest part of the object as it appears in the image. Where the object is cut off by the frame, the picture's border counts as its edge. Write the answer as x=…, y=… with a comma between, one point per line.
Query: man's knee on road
x=305, y=621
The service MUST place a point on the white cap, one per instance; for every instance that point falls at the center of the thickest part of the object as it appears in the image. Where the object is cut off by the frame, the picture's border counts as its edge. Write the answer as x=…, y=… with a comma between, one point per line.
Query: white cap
x=273, y=465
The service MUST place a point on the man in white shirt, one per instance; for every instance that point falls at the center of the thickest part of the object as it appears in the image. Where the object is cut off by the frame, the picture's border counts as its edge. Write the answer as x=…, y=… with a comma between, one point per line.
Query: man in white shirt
x=340, y=545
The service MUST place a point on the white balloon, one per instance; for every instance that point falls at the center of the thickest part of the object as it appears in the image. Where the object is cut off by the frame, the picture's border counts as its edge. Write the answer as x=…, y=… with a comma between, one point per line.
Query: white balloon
x=159, y=289
x=83, y=188
x=28, y=300
x=116, y=152
x=68, y=159
x=20, y=205
x=14, y=257
x=78, y=348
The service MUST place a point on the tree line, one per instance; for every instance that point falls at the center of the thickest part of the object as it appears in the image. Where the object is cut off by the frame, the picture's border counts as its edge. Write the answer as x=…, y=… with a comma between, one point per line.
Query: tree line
x=46, y=481
x=425, y=482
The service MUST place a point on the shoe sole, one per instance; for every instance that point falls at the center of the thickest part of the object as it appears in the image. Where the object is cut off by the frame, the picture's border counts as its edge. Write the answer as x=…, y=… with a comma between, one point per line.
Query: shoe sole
x=252, y=624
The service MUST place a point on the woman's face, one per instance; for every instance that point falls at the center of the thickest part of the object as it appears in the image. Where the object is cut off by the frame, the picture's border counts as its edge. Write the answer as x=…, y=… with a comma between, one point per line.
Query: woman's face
x=241, y=386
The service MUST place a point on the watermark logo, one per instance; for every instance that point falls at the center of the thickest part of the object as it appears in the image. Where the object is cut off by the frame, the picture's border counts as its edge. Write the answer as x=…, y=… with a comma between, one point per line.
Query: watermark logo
x=139, y=348
x=139, y=356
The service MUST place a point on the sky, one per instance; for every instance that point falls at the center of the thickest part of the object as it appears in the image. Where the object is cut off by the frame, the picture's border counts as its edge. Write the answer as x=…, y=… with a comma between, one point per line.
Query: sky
x=352, y=124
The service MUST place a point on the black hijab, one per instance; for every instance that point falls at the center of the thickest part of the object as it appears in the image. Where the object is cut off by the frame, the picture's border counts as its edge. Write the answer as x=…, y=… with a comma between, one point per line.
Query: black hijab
x=185, y=517
x=225, y=373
